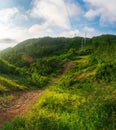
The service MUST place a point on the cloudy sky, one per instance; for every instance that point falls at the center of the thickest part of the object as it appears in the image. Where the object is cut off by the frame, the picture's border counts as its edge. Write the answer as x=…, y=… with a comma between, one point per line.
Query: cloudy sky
x=23, y=19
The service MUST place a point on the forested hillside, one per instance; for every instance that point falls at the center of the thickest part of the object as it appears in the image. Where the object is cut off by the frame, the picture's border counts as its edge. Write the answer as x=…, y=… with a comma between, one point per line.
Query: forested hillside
x=39, y=59
x=28, y=51
x=79, y=77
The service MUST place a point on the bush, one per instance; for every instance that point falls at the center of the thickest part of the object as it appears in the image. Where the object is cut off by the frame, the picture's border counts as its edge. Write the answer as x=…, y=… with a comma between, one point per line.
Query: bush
x=38, y=80
x=106, y=72
x=17, y=124
x=7, y=68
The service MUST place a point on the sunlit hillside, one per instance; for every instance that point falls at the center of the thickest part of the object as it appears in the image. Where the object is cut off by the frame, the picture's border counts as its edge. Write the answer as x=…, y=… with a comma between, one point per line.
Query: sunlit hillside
x=77, y=82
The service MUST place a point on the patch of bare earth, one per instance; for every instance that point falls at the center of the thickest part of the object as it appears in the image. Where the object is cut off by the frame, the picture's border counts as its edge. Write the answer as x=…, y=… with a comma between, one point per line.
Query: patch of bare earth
x=85, y=75
x=20, y=105
x=68, y=66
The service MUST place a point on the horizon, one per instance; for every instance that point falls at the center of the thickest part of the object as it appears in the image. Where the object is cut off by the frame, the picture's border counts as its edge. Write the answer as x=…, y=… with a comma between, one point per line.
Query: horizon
x=53, y=37
x=21, y=20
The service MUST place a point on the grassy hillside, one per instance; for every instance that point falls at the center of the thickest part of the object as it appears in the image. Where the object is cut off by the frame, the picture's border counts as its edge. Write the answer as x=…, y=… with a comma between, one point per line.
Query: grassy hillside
x=8, y=85
x=41, y=59
x=7, y=89
x=84, y=95
x=7, y=68
x=28, y=51
x=104, y=47
x=77, y=101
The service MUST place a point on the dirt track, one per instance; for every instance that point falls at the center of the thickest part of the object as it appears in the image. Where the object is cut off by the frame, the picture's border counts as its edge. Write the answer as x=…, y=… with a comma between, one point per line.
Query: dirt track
x=20, y=105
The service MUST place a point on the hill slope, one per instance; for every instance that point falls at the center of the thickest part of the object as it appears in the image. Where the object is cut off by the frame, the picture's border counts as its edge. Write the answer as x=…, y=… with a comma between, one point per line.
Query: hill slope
x=83, y=97
x=30, y=50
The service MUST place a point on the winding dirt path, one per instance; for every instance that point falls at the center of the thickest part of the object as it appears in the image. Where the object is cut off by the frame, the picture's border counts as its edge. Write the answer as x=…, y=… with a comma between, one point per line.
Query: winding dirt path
x=20, y=105
x=24, y=101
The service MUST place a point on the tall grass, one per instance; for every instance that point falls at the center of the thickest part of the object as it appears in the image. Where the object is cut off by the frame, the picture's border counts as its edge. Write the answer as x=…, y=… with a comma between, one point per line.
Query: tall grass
x=9, y=85
x=72, y=104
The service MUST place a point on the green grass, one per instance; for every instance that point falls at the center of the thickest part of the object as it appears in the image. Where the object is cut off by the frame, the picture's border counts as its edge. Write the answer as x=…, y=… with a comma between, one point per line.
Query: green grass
x=6, y=99
x=60, y=110
x=72, y=104
x=9, y=85
x=84, y=98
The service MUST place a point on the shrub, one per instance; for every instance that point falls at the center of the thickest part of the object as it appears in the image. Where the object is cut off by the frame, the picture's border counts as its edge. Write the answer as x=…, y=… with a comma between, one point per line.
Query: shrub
x=106, y=72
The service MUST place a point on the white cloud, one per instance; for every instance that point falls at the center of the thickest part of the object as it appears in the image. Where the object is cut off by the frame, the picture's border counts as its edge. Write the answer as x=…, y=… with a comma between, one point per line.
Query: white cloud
x=71, y=33
x=37, y=28
x=8, y=29
x=4, y=46
x=7, y=14
x=54, y=12
x=92, y=13
x=12, y=32
x=55, y=18
x=105, y=9
x=7, y=40
x=73, y=8
x=89, y=31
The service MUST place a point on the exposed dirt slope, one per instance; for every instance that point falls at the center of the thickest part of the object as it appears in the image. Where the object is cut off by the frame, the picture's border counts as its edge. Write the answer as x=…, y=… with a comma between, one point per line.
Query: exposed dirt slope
x=20, y=105
x=85, y=74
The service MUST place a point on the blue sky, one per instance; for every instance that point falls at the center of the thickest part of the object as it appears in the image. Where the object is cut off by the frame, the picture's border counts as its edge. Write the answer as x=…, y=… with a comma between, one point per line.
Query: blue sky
x=23, y=19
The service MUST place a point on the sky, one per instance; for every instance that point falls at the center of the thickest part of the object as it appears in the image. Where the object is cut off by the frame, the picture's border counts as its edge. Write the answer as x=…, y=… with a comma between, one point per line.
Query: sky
x=24, y=19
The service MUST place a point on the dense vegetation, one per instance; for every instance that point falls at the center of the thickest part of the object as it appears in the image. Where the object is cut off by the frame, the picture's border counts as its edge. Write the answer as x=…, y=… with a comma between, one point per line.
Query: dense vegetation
x=82, y=98
x=39, y=59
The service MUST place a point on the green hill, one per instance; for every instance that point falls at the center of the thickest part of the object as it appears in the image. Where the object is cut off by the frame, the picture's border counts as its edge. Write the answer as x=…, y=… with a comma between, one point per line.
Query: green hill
x=8, y=85
x=43, y=58
x=26, y=52
x=81, y=79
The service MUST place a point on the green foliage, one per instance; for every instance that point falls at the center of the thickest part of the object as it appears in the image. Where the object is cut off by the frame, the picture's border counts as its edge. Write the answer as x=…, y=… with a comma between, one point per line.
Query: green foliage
x=73, y=103
x=69, y=110
x=105, y=48
x=9, y=85
x=26, y=52
x=19, y=121
x=85, y=51
x=47, y=66
x=106, y=71
x=7, y=68
x=38, y=80
x=83, y=98
x=5, y=99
